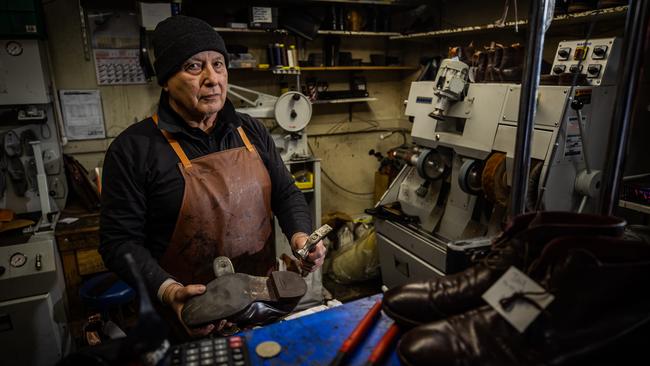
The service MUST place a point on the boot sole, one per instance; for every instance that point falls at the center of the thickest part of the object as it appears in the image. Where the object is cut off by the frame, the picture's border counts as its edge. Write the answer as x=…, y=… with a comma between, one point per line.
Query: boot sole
x=228, y=295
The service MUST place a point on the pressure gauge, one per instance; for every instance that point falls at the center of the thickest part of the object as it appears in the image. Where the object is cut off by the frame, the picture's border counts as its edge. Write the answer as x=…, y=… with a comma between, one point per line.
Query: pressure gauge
x=14, y=48
x=17, y=260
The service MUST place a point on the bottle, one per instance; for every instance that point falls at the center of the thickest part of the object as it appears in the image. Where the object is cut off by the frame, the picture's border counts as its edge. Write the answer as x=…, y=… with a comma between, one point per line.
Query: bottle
x=294, y=53
x=283, y=53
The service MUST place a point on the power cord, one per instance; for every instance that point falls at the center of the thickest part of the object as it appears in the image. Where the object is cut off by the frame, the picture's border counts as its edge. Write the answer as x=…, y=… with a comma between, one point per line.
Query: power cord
x=337, y=184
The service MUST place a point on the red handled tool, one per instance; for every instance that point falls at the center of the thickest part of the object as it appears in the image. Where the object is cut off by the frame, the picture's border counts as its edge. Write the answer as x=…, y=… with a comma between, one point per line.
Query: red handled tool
x=357, y=334
x=383, y=346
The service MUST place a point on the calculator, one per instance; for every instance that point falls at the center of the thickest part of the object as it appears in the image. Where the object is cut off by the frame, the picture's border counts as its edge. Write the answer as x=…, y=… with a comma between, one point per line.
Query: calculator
x=225, y=351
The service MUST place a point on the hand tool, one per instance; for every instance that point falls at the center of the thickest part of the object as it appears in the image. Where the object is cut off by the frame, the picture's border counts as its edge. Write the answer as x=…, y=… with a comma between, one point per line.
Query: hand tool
x=383, y=345
x=313, y=239
x=357, y=334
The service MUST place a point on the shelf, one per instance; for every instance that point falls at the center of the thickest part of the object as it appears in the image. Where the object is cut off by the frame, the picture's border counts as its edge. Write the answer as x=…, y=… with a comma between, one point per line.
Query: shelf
x=367, y=2
x=634, y=206
x=360, y=68
x=565, y=19
x=321, y=32
x=365, y=34
x=248, y=30
x=297, y=71
x=344, y=100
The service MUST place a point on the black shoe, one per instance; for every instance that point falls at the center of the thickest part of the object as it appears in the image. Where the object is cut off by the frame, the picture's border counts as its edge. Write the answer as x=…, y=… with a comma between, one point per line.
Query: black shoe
x=245, y=300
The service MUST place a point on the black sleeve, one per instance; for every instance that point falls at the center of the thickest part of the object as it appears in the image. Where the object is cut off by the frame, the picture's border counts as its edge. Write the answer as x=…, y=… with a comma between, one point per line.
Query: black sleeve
x=123, y=213
x=287, y=201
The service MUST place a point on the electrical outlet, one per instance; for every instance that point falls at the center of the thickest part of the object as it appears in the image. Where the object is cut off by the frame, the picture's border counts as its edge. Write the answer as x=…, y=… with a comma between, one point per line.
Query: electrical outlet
x=51, y=162
x=57, y=188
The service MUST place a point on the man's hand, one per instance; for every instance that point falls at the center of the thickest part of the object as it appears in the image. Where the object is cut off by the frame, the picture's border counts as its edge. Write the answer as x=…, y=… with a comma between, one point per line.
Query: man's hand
x=315, y=258
x=176, y=296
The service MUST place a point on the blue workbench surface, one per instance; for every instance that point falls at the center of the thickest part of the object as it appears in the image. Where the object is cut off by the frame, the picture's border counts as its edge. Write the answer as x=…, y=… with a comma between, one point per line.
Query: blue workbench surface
x=315, y=339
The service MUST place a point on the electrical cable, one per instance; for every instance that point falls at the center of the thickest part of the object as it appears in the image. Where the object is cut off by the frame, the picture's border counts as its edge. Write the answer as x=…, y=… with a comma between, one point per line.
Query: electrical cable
x=337, y=184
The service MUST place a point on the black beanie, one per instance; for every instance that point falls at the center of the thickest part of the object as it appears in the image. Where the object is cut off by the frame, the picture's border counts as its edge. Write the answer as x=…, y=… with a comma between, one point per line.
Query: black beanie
x=178, y=38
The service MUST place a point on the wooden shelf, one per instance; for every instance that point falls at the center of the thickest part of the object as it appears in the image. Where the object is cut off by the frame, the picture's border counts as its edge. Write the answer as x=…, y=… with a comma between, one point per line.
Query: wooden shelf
x=248, y=30
x=365, y=34
x=367, y=2
x=360, y=68
x=634, y=206
x=331, y=68
x=566, y=19
x=321, y=32
x=344, y=100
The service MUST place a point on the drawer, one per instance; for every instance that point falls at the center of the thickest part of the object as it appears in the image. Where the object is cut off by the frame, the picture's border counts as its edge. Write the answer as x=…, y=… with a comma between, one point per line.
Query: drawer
x=89, y=261
x=434, y=254
x=78, y=241
x=399, y=266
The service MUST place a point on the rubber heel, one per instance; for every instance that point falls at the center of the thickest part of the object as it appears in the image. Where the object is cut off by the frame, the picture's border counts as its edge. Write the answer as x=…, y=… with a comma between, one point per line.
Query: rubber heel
x=287, y=285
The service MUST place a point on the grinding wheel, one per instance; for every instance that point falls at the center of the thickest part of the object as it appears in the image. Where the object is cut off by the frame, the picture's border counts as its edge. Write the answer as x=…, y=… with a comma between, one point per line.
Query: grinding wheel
x=494, y=179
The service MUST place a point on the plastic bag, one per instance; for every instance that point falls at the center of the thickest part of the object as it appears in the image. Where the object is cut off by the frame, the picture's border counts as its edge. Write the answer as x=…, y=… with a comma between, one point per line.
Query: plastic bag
x=356, y=262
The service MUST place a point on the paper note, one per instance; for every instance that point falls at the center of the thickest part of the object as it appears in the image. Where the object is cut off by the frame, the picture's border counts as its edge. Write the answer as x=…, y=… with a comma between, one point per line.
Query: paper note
x=513, y=296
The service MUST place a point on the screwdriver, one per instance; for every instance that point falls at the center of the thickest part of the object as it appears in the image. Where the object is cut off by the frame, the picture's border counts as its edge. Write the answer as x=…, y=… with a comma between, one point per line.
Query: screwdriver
x=357, y=334
x=383, y=345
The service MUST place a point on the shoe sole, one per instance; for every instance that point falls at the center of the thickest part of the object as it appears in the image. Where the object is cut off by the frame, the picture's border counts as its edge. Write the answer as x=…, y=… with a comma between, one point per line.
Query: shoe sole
x=230, y=294
x=404, y=323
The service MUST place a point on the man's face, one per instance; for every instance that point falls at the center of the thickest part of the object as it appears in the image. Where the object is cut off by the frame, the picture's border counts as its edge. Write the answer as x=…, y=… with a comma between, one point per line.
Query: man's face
x=199, y=88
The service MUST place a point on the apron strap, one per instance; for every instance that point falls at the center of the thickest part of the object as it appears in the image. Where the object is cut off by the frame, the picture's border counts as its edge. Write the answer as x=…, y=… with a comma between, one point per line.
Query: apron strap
x=243, y=136
x=174, y=144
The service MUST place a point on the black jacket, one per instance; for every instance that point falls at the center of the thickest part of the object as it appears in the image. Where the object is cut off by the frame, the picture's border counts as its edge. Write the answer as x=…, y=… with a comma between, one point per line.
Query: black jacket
x=143, y=187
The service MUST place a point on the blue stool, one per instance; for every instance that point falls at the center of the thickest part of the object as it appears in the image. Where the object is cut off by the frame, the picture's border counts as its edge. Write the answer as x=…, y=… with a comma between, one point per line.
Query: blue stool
x=105, y=291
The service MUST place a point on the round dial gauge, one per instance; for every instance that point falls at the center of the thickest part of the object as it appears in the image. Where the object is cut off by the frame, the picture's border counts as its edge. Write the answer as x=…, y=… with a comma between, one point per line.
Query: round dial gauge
x=14, y=48
x=18, y=260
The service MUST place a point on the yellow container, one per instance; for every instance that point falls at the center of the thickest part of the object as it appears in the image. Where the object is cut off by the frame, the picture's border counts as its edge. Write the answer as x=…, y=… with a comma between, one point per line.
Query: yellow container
x=304, y=179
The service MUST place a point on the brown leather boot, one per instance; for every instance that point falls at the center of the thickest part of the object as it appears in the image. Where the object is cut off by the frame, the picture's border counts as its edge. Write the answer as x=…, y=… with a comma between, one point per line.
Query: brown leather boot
x=481, y=64
x=602, y=294
x=511, y=71
x=507, y=61
x=495, y=53
x=519, y=245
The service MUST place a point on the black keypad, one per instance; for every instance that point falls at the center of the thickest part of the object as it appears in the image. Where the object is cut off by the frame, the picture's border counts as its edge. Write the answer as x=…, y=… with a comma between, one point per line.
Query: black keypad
x=230, y=351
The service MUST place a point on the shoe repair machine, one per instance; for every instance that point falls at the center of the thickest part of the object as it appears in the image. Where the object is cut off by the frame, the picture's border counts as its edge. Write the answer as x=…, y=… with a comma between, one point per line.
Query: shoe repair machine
x=451, y=196
x=33, y=325
x=292, y=112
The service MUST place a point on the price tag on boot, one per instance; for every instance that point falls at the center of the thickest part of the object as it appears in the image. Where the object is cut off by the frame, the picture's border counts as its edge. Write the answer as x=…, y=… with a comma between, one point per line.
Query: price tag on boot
x=517, y=298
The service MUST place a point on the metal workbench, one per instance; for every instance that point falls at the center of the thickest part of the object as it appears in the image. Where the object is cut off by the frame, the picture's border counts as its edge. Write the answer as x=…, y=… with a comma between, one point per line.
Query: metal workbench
x=315, y=339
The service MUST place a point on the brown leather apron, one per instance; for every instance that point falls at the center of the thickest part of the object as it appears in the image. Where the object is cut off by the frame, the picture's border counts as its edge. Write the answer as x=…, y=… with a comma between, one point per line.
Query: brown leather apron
x=226, y=211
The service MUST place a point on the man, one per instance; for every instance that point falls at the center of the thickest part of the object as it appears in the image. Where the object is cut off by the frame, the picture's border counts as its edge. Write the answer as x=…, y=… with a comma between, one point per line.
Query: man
x=197, y=180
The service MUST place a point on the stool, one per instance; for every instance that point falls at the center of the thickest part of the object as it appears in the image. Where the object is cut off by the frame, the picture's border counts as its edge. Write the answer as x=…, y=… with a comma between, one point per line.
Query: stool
x=105, y=291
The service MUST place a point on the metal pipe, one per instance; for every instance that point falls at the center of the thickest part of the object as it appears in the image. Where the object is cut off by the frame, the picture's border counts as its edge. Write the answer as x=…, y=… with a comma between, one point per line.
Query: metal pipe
x=583, y=138
x=633, y=44
x=538, y=16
